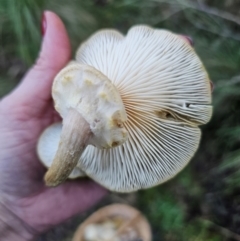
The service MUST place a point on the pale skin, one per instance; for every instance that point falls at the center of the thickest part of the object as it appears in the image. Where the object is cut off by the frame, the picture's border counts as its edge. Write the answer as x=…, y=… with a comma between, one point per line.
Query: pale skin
x=24, y=114
x=27, y=207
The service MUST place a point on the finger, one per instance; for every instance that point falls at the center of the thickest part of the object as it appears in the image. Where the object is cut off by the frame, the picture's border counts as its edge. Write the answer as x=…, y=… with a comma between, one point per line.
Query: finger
x=54, y=55
x=188, y=39
x=212, y=86
x=56, y=205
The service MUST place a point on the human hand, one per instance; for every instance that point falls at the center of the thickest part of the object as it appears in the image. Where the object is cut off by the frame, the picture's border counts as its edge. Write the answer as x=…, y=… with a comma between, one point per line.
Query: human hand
x=27, y=206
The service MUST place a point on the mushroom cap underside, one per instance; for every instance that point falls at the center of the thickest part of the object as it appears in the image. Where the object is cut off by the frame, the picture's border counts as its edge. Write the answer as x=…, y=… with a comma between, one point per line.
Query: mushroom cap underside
x=166, y=94
x=47, y=148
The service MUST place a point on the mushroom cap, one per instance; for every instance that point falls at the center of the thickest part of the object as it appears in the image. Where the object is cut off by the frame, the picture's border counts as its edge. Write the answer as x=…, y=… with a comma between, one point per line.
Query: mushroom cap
x=47, y=148
x=166, y=93
x=130, y=216
x=89, y=92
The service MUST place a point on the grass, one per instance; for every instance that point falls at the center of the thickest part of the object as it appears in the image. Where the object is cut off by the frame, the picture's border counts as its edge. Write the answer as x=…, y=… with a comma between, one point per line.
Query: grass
x=202, y=203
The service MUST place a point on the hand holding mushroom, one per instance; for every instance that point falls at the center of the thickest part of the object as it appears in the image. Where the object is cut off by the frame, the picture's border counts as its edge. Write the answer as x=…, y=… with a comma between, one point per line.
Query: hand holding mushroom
x=27, y=206
x=131, y=109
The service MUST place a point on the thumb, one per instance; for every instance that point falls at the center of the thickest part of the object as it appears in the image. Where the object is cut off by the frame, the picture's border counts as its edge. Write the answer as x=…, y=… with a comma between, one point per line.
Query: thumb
x=54, y=55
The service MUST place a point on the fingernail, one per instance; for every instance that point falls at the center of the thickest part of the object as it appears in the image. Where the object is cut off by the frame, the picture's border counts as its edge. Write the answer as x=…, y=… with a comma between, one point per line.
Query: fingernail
x=43, y=24
x=189, y=39
x=212, y=86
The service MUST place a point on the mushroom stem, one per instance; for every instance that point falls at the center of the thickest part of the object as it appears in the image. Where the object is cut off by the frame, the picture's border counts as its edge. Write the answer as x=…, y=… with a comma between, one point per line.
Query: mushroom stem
x=73, y=141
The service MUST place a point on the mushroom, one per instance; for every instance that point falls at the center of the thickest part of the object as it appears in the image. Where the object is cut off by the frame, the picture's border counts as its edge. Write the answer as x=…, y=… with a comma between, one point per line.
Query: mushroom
x=114, y=222
x=162, y=93
x=93, y=114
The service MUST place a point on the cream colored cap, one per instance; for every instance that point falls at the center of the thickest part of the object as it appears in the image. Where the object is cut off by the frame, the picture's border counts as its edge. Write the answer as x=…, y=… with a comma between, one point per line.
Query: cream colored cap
x=91, y=93
x=47, y=148
x=92, y=112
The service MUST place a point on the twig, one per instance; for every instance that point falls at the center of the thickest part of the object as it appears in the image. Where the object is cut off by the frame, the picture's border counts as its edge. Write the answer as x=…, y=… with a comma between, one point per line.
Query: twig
x=214, y=11
x=224, y=231
x=201, y=7
x=235, y=37
x=204, y=8
x=167, y=16
x=234, y=80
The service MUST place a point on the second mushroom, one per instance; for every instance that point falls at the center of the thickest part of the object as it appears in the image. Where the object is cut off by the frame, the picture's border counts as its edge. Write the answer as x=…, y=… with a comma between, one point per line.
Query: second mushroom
x=131, y=109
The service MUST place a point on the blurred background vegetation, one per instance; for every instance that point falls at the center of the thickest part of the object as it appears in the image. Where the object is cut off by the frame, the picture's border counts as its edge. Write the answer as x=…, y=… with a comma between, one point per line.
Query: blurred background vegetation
x=203, y=202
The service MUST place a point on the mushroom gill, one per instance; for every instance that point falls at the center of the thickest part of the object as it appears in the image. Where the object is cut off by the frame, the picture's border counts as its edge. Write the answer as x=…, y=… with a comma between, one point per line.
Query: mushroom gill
x=166, y=93
x=162, y=94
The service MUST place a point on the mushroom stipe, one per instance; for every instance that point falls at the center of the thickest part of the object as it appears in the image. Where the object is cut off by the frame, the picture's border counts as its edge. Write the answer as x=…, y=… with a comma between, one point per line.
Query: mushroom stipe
x=74, y=139
x=131, y=109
